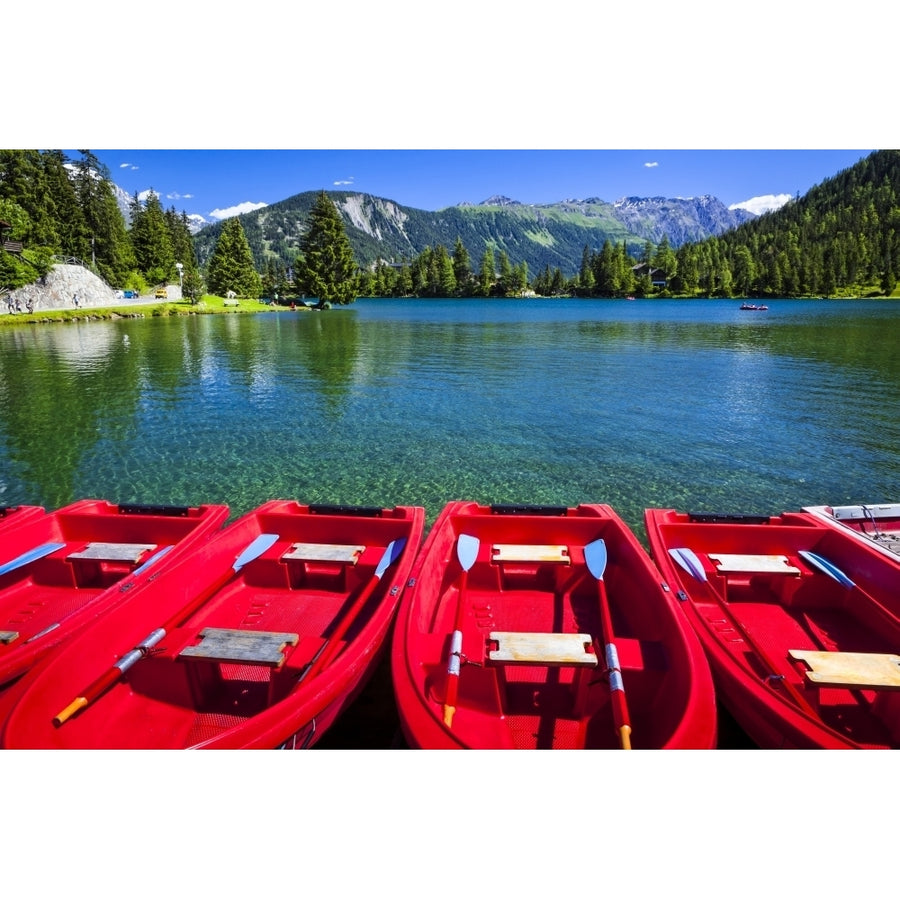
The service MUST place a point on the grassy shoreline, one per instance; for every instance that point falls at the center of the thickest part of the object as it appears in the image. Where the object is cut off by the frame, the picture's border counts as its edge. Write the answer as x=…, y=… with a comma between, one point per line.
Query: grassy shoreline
x=207, y=305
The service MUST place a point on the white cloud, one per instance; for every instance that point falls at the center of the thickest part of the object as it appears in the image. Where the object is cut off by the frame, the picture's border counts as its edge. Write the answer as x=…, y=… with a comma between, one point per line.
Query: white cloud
x=143, y=195
x=348, y=181
x=128, y=166
x=240, y=209
x=174, y=195
x=650, y=165
x=766, y=203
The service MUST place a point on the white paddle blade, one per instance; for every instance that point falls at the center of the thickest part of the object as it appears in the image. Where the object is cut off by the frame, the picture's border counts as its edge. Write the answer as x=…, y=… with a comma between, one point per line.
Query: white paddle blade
x=467, y=550
x=595, y=556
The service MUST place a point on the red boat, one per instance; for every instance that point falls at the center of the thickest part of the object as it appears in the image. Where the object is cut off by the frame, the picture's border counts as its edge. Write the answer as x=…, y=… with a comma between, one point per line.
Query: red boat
x=801, y=624
x=535, y=627
x=13, y=516
x=62, y=569
x=258, y=639
x=875, y=523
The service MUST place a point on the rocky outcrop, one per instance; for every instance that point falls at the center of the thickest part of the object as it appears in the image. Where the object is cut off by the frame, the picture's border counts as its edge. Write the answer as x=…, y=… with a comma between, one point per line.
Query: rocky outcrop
x=58, y=288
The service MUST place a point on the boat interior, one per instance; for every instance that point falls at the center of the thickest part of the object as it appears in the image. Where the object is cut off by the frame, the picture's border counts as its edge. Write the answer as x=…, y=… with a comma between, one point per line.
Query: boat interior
x=534, y=666
x=772, y=605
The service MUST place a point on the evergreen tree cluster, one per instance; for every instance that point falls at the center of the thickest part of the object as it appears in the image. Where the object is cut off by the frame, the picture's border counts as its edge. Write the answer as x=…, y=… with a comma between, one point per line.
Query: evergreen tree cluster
x=62, y=209
x=437, y=272
x=842, y=236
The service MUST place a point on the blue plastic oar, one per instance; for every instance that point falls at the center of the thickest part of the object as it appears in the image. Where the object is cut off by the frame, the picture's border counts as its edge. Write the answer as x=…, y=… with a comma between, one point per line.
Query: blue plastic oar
x=30, y=556
x=255, y=548
x=158, y=555
x=466, y=552
x=829, y=568
x=595, y=557
x=689, y=561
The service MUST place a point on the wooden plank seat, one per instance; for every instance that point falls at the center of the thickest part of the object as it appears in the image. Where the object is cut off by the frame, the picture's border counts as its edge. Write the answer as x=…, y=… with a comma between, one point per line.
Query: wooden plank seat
x=753, y=563
x=552, y=553
x=529, y=648
x=851, y=670
x=346, y=553
x=7, y=637
x=237, y=645
x=112, y=552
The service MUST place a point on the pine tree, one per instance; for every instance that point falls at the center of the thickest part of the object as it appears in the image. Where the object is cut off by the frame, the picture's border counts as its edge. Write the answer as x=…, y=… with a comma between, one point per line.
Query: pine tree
x=231, y=263
x=462, y=271
x=23, y=180
x=326, y=268
x=486, y=274
x=108, y=245
x=585, y=274
x=70, y=224
x=152, y=242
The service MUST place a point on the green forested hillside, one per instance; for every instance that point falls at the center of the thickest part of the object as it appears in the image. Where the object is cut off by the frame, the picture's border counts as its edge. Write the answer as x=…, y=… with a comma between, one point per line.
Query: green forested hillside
x=546, y=236
x=841, y=238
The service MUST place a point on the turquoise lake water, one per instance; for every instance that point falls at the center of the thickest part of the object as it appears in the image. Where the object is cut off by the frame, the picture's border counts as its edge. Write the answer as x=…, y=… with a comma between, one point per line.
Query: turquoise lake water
x=695, y=405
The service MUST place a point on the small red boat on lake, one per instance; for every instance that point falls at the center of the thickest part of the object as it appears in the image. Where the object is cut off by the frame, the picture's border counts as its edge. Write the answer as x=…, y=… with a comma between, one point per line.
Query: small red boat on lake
x=800, y=622
x=60, y=570
x=545, y=627
x=259, y=638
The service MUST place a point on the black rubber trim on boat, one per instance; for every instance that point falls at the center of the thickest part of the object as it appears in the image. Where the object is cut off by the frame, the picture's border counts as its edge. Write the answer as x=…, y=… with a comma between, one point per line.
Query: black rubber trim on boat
x=511, y=509
x=330, y=510
x=137, y=509
x=728, y=518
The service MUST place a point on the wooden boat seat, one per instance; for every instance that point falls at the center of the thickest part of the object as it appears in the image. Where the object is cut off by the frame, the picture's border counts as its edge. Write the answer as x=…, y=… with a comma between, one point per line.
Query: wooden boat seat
x=552, y=553
x=529, y=648
x=7, y=637
x=345, y=553
x=237, y=645
x=752, y=564
x=853, y=670
x=109, y=552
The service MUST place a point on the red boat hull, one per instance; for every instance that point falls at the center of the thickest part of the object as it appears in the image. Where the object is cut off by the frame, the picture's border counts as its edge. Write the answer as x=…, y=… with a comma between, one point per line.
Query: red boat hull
x=263, y=654
x=13, y=516
x=46, y=601
x=530, y=583
x=760, y=597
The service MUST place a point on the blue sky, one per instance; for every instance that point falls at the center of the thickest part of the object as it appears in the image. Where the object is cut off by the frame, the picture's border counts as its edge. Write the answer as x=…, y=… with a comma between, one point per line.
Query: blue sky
x=216, y=183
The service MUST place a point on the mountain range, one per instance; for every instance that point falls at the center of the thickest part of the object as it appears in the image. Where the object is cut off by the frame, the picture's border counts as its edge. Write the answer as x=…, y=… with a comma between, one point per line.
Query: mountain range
x=546, y=235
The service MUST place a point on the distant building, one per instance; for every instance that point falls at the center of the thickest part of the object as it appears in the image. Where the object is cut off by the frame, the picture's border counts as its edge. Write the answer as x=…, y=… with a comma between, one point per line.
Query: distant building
x=657, y=276
x=9, y=246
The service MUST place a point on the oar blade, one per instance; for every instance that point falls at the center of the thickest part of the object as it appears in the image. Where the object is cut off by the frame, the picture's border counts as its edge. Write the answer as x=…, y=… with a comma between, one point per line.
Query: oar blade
x=596, y=557
x=31, y=556
x=829, y=568
x=467, y=550
x=255, y=548
x=391, y=554
x=689, y=561
x=156, y=556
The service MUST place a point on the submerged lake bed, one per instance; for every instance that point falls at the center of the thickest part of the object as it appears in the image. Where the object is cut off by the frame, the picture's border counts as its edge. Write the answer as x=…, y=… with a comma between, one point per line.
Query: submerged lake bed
x=689, y=404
